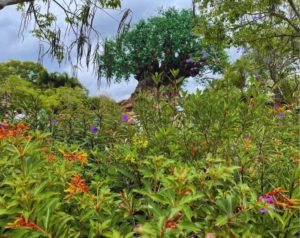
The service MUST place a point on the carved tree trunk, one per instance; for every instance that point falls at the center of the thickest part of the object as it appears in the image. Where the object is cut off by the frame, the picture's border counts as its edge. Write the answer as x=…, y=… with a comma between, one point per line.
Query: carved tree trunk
x=144, y=85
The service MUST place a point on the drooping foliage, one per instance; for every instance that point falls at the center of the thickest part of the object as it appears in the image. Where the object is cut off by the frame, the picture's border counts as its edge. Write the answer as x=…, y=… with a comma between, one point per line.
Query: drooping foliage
x=157, y=45
x=77, y=18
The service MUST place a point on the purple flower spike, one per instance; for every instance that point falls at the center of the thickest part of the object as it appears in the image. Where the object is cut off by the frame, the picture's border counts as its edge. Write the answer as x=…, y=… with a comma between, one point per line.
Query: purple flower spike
x=276, y=106
x=280, y=115
x=94, y=129
x=124, y=117
x=53, y=121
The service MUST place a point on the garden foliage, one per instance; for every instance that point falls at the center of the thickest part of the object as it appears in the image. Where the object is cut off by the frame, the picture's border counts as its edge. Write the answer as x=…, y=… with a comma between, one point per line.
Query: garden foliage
x=225, y=165
x=222, y=162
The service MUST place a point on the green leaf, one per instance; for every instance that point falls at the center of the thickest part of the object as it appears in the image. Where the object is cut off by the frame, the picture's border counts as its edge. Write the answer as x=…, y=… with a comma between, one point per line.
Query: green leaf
x=221, y=220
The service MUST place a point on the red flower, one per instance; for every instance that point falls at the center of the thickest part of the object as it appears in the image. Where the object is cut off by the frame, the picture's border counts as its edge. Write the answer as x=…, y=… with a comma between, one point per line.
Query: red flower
x=82, y=157
x=77, y=185
x=21, y=222
x=173, y=221
x=70, y=157
x=50, y=157
x=13, y=130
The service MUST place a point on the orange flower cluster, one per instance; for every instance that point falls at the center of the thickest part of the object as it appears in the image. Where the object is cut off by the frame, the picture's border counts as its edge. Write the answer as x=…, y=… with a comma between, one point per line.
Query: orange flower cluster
x=21, y=222
x=173, y=221
x=50, y=157
x=12, y=130
x=77, y=185
x=281, y=200
x=82, y=157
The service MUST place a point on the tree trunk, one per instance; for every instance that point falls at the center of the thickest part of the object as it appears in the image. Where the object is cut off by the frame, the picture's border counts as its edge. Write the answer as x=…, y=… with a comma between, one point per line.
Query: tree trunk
x=144, y=85
x=148, y=86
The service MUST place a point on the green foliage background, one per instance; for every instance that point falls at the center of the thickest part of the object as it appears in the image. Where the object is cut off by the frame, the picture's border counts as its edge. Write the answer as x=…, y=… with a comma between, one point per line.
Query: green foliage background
x=193, y=165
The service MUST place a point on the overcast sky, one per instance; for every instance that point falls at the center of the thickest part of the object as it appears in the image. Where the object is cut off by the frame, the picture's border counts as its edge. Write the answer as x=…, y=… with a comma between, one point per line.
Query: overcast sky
x=26, y=48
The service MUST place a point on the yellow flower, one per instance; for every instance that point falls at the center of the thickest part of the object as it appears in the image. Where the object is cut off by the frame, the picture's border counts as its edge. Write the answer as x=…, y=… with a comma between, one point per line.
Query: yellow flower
x=140, y=141
x=130, y=158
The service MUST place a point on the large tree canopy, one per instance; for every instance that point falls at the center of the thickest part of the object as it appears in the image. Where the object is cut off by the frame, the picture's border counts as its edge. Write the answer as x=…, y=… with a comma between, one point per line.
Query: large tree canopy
x=78, y=37
x=157, y=45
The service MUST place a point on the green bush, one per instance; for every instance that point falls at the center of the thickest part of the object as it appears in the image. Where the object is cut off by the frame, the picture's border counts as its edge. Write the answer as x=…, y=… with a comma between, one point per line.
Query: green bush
x=227, y=165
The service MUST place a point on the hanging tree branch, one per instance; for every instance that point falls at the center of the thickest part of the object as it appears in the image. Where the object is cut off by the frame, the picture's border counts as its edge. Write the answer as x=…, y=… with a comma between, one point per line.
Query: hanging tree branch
x=4, y=3
x=79, y=37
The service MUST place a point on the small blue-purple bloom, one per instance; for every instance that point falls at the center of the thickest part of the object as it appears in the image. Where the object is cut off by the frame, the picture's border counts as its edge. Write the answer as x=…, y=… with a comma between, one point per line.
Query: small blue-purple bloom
x=268, y=200
x=276, y=106
x=94, y=129
x=124, y=117
x=280, y=115
x=263, y=210
x=53, y=121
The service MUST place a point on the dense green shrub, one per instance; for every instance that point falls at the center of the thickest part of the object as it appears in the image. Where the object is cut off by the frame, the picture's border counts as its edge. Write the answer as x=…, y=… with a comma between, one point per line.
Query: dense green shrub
x=226, y=165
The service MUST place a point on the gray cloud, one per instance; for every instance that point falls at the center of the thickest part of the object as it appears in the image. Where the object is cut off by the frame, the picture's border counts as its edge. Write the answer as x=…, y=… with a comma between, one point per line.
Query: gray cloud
x=12, y=46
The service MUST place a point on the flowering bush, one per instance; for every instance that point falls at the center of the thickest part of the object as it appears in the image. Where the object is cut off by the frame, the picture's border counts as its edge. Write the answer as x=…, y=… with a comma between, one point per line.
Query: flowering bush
x=222, y=167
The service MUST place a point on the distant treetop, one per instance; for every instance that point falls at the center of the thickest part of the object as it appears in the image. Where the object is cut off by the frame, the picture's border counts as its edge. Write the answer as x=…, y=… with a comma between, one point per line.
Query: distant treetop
x=36, y=74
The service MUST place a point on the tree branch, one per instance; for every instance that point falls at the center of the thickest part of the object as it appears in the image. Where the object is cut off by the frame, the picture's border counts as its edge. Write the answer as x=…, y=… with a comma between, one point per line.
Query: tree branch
x=4, y=3
x=296, y=11
x=287, y=20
